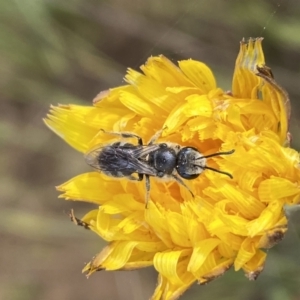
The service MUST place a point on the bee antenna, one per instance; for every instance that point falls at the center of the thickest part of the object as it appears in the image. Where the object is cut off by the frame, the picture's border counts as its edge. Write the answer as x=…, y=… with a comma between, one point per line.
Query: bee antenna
x=218, y=153
x=218, y=171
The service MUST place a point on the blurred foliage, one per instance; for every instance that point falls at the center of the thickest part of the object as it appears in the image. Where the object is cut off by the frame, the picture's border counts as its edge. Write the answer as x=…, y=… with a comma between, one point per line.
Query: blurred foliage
x=66, y=52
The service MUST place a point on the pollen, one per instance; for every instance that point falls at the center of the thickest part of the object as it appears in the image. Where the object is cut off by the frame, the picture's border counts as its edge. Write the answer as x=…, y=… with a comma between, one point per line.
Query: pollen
x=227, y=221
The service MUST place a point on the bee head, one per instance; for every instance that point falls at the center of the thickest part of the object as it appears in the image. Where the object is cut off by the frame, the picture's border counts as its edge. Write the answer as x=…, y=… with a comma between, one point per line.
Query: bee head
x=191, y=163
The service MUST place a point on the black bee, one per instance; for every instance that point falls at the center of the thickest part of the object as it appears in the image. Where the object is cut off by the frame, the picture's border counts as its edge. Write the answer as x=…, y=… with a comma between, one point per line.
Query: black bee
x=162, y=160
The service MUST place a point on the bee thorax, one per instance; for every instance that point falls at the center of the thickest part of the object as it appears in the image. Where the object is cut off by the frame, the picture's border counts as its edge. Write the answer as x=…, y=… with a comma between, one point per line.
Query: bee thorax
x=163, y=160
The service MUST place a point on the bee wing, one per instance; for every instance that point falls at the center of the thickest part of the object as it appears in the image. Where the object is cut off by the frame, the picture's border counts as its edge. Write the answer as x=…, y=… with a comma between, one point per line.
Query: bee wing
x=91, y=157
x=143, y=151
x=140, y=165
x=118, y=157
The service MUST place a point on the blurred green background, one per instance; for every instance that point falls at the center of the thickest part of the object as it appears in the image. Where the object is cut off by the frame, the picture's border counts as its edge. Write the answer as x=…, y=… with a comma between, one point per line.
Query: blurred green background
x=67, y=52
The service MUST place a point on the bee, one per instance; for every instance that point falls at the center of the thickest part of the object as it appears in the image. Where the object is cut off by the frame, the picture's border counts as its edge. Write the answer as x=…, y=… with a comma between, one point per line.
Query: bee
x=162, y=160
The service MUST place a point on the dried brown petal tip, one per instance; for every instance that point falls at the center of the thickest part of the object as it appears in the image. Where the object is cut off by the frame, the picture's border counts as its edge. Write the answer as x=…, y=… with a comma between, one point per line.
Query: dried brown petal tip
x=216, y=273
x=272, y=237
x=253, y=275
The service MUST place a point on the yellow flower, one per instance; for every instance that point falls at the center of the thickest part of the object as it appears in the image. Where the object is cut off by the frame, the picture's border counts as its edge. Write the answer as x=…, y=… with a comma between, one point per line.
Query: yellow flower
x=229, y=222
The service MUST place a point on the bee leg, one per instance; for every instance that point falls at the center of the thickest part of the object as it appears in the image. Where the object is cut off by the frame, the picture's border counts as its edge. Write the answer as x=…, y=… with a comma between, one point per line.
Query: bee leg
x=140, y=178
x=180, y=181
x=133, y=178
x=125, y=135
x=147, y=189
x=156, y=136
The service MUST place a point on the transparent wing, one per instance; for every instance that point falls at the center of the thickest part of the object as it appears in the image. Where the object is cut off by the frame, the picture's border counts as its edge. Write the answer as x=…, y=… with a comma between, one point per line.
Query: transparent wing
x=109, y=159
x=91, y=157
x=143, y=151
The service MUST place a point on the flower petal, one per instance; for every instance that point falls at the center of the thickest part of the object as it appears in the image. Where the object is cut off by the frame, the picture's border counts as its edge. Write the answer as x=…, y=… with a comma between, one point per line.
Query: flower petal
x=91, y=187
x=246, y=253
x=199, y=74
x=277, y=188
x=200, y=253
x=165, y=72
x=68, y=122
x=244, y=79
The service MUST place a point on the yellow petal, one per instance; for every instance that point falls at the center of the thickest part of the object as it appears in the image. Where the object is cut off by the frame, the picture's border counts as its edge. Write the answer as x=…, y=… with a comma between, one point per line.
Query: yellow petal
x=178, y=232
x=165, y=290
x=152, y=90
x=165, y=72
x=196, y=231
x=248, y=206
x=68, y=123
x=246, y=253
x=199, y=74
x=117, y=256
x=268, y=218
x=129, y=228
x=176, y=118
x=122, y=203
x=255, y=265
x=90, y=187
x=167, y=264
x=277, y=188
x=198, y=106
x=200, y=253
x=156, y=219
x=252, y=79
x=139, y=105
x=244, y=78
x=234, y=224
